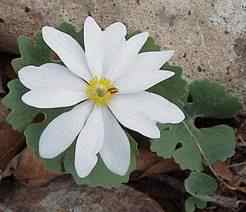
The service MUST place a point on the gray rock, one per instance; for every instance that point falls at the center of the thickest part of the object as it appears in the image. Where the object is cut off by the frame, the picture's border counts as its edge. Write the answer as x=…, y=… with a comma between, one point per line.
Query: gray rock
x=62, y=195
x=26, y=17
x=208, y=36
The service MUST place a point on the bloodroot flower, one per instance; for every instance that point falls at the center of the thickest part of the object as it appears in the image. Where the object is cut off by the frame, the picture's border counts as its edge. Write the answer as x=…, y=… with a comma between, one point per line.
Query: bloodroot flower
x=106, y=84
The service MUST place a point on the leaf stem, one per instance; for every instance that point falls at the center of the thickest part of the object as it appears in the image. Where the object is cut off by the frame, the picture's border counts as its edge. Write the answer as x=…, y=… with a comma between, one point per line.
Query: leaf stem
x=205, y=156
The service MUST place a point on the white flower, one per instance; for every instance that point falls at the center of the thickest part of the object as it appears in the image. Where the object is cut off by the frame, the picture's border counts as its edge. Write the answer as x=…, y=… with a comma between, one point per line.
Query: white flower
x=107, y=84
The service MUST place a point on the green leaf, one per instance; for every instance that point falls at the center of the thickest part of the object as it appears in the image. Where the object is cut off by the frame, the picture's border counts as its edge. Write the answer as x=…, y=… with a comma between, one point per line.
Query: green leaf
x=33, y=133
x=217, y=143
x=70, y=29
x=32, y=53
x=192, y=203
x=211, y=100
x=201, y=185
x=177, y=142
x=36, y=53
x=191, y=147
x=174, y=89
x=32, y=138
x=150, y=46
x=21, y=115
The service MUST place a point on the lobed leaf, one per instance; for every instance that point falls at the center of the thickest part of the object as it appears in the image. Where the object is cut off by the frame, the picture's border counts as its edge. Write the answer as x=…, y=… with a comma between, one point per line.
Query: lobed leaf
x=211, y=100
x=192, y=203
x=174, y=89
x=21, y=115
x=200, y=185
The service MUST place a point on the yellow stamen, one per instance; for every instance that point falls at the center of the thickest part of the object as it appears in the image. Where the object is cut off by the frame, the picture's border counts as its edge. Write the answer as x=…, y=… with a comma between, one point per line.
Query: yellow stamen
x=100, y=91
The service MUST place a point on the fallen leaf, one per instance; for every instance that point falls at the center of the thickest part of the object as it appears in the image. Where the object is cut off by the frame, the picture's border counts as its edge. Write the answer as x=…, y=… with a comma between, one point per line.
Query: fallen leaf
x=11, y=167
x=223, y=171
x=11, y=143
x=1, y=78
x=150, y=164
x=234, y=177
x=2, y=91
x=3, y=112
x=164, y=166
x=6, y=70
x=31, y=171
x=146, y=159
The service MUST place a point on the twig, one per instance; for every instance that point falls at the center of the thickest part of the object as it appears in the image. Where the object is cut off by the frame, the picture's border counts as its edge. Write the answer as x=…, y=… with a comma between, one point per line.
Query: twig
x=206, y=158
x=241, y=145
x=237, y=165
x=225, y=202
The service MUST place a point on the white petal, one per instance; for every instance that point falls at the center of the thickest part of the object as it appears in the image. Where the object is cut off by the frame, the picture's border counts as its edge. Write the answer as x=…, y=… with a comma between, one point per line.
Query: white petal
x=49, y=75
x=113, y=39
x=115, y=152
x=133, y=119
x=153, y=106
x=141, y=80
x=62, y=131
x=127, y=55
x=68, y=50
x=53, y=98
x=150, y=61
x=89, y=143
x=93, y=41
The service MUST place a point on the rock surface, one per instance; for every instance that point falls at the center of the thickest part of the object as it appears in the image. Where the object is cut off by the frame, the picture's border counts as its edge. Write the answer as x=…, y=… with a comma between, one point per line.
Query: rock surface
x=63, y=195
x=208, y=36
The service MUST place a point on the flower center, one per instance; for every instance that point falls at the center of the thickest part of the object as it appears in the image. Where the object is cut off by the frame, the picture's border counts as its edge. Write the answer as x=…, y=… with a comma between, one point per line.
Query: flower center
x=100, y=90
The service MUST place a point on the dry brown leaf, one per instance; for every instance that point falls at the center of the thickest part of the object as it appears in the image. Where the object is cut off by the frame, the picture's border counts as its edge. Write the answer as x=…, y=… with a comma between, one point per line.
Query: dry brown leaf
x=6, y=71
x=146, y=159
x=240, y=171
x=11, y=143
x=31, y=171
x=235, y=179
x=3, y=112
x=2, y=91
x=150, y=164
x=223, y=171
x=164, y=166
x=11, y=167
